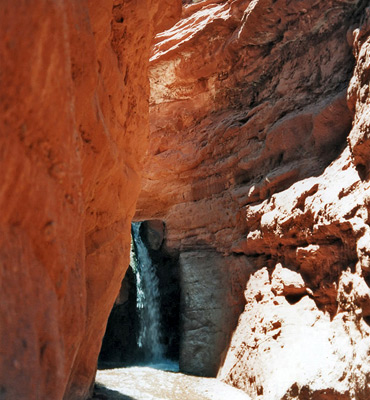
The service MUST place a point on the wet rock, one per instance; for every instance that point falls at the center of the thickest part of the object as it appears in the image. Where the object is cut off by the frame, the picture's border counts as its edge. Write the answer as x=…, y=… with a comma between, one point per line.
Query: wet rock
x=153, y=232
x=169, y=285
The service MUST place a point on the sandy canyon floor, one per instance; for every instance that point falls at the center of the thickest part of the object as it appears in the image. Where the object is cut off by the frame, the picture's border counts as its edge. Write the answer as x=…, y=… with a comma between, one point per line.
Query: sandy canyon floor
x=145, y=383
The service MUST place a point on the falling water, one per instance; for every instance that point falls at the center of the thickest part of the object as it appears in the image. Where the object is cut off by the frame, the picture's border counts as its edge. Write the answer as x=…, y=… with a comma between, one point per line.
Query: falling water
x=147, y=303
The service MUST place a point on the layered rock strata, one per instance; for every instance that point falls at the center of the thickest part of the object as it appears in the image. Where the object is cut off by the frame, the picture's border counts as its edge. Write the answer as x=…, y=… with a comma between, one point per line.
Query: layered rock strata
x=74, y=119
x=258, y=164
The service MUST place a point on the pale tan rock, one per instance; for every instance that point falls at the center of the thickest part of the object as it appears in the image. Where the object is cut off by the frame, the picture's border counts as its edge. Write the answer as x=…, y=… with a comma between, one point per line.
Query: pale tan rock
x=286, y=282
x=294, y=351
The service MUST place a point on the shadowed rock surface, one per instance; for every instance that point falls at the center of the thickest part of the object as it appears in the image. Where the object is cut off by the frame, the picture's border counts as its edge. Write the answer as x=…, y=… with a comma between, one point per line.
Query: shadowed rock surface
x=119, y=346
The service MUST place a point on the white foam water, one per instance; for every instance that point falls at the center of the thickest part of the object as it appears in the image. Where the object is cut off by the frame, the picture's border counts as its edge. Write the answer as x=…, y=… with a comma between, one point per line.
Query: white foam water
x=147, y=301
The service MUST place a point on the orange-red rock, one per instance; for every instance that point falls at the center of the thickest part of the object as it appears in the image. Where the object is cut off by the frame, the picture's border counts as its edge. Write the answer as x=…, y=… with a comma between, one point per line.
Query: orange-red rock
x=259, y=168
x=258, y=163
x=74, y=119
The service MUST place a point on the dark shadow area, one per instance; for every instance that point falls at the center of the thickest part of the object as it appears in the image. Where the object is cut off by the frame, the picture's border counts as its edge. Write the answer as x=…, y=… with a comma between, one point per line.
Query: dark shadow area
x=362, y=171
x=102, y=393
x=367, y=319
x=366, y=276
x=119, y=346
x=294, y=298
x=305, y=393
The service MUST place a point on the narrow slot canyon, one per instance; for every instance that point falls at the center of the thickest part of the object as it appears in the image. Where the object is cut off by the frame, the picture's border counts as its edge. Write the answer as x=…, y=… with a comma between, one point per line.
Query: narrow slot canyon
x=185, y=200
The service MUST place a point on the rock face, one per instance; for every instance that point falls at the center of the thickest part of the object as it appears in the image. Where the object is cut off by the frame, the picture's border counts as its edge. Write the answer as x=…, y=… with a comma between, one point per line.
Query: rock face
x=74, y=118
x=258, y=164
x=211, y=302
x=119, y=346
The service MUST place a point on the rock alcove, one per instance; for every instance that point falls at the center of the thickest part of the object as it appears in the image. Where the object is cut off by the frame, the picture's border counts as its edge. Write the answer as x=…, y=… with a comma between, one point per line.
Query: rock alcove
x=123, y=343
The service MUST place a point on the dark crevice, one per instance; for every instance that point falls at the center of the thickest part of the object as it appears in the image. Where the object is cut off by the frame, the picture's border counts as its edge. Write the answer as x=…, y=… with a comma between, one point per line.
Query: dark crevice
x=367, y=319
x=294, y=298
x=362, y=171
x=367, y=278
x=102, y=393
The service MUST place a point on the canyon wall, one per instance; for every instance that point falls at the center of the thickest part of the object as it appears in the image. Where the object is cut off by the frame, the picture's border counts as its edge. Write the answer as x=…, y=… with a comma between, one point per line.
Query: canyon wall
x=258, y=164
x=74, y=127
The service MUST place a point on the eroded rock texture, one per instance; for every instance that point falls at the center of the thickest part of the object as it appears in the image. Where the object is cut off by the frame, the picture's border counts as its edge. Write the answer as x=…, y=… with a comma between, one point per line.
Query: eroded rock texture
x=258, y=164
x=74, y=119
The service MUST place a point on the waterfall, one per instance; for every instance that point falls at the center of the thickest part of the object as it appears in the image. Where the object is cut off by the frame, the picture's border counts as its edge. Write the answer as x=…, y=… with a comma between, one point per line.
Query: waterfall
x=148, y=300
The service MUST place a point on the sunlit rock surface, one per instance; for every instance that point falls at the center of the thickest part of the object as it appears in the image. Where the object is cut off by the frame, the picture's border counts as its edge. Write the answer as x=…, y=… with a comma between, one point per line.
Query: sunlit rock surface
x=74, y=124
x=259, y=166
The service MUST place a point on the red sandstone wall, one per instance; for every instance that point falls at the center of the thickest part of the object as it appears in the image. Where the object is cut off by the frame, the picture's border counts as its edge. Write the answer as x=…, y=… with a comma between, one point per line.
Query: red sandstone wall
x=260, y=170
x=74, y=119
x=256, y=164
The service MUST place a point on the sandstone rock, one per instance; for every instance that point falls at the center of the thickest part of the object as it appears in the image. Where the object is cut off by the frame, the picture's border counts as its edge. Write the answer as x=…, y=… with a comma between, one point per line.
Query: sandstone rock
x=254, y=156
x=153, y=234
x=255, y=164
x=218, y=125
x=74, y=119
x=289, y=351
x=286, y=282
x=358, y=96
x=210, y=306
